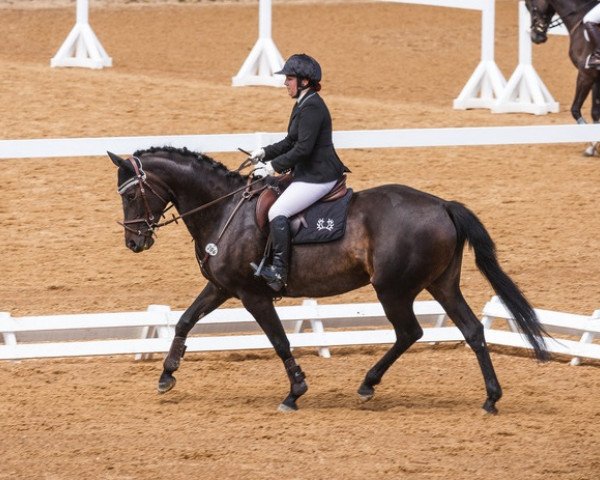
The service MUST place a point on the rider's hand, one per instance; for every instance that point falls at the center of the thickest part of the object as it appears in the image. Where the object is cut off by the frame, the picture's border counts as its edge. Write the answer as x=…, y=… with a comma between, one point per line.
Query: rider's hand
x=257, y=155
x=262, y=170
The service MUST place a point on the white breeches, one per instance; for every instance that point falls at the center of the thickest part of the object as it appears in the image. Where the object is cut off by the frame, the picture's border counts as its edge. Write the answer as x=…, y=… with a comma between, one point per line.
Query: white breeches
x=297, y=197
x=593, y=15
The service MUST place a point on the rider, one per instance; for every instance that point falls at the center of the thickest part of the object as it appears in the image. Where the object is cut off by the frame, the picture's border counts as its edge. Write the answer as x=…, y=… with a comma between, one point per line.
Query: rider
x=307, y=151
x=591, y=22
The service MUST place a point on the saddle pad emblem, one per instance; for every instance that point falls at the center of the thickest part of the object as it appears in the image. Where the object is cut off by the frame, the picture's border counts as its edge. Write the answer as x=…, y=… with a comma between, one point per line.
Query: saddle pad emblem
x=325, y=225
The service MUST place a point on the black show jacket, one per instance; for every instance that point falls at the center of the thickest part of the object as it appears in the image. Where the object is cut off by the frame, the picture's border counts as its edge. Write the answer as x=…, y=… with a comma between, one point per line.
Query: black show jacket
x=307, y=150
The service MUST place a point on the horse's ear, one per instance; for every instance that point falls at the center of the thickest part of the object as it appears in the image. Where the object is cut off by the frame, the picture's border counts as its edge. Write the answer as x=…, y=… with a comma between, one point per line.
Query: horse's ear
x=118, y=161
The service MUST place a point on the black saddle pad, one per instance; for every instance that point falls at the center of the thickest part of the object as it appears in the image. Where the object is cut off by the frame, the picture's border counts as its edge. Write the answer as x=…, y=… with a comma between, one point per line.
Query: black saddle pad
x=324, y=221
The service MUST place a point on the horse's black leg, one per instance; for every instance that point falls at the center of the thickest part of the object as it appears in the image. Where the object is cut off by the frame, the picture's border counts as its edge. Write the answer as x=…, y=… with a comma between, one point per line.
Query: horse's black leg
x=585, y=81
x=448, y=294
x=596, y=101
x=398, y=308
x=210, y=298
x=593, y=148
x=263, y=311
x=582, y=89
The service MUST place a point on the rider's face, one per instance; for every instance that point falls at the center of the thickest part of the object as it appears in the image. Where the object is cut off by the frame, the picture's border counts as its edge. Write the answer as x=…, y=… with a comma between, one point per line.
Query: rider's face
x=291, y=83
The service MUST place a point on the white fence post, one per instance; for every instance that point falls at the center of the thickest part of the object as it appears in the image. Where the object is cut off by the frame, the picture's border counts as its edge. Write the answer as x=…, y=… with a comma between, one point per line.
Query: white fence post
x=587, y=337
x=6, y=321
x=487, y=82
x=160, y=312
x=525, y=91
x=81, y=47
x=264, y=58
x=315, y=323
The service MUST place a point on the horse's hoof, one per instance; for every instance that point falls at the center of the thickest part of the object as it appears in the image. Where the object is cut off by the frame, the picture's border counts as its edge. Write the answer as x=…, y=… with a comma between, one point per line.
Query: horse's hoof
x=489, y=408
x=366, y=393
x=288, y=405
x=286, y=408
x=589, y=152
x=166, y=383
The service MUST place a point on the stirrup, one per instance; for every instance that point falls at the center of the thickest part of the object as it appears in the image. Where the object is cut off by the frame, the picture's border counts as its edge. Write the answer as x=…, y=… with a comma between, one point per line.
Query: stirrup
x=593, y=61
x=273, y=279
x=258, y=268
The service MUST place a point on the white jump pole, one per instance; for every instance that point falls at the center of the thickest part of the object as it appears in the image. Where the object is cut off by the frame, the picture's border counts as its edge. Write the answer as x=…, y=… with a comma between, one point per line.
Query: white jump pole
x=487, y=82
x=264, y=58
x=81, y=47
x=525, y=91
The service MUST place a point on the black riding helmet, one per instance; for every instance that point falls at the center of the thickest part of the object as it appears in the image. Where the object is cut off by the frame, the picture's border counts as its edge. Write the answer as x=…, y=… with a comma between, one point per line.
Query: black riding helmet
x=301, y=65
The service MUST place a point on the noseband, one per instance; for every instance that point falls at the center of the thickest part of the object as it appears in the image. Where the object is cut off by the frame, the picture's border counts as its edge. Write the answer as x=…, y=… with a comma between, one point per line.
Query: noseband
x=539, y=23
x=139, y=181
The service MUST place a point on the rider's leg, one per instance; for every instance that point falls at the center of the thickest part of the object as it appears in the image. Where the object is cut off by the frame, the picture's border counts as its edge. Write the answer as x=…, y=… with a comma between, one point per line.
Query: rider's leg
x=593, y=31
x=591, y=22
x=276, y=274
x=295, y=198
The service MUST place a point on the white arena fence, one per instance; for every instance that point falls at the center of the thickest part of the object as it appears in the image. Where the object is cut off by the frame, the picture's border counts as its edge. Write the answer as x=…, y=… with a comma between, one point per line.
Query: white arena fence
x=398, y=138
x=144, y=333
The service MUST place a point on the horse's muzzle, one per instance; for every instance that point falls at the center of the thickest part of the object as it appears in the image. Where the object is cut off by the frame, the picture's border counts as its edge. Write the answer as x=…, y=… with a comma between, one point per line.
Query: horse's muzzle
x=538, y=37
x=139, y=243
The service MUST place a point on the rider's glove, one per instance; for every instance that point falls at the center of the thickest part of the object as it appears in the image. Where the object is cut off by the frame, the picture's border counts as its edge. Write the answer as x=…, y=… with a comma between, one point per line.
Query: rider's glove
x=262, y=170
x=257, y=155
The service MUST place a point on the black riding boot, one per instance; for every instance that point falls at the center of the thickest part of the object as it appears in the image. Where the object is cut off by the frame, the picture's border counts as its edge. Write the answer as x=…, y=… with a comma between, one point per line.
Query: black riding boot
x=276, y=274
x=593, y=31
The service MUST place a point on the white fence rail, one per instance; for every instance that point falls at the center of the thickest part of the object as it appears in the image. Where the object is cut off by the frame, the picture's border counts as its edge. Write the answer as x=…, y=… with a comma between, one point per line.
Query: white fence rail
x=144, y=333
x=400, y=138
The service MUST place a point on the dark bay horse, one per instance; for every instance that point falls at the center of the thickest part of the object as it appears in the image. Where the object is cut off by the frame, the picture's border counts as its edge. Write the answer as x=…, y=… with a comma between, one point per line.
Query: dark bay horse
x=571, y=13
x=398, y=239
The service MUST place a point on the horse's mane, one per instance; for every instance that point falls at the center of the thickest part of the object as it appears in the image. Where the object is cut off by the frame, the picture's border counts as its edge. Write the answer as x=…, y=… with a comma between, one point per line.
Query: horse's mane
x=174, y=154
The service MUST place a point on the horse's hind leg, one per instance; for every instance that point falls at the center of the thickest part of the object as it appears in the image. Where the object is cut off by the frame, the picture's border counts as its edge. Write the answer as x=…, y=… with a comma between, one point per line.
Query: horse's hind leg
x=210, y=298
x=593, y=148
x=448, y=294
x=398, y=309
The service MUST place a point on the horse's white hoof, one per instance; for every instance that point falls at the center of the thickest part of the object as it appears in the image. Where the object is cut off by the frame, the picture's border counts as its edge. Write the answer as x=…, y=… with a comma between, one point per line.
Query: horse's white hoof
x=589, y=151
x=285, y=409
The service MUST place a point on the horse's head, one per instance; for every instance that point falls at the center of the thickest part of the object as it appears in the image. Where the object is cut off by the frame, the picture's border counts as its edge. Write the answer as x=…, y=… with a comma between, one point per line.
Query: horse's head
x=143, y=205
x=541, y=14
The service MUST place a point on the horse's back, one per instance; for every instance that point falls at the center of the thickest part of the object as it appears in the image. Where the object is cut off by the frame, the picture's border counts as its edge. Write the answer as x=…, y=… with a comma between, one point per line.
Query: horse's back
x=390, y=229
x=410, y=219
x=396, y=204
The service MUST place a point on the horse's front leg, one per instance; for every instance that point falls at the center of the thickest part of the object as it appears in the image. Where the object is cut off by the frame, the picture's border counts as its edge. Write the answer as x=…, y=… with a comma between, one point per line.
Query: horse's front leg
x=210, y=298
x=263, y=311
x=584, y=84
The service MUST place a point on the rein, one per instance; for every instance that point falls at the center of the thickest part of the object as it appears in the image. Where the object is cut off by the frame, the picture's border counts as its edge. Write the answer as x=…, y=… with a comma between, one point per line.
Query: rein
x=141, y=181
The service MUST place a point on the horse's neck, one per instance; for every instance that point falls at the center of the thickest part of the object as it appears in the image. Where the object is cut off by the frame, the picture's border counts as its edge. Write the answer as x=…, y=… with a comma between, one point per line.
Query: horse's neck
x=194, y=184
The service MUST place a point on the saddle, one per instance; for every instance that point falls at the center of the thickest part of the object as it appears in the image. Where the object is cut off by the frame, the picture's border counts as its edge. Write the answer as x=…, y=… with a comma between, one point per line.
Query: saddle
x=276, y=185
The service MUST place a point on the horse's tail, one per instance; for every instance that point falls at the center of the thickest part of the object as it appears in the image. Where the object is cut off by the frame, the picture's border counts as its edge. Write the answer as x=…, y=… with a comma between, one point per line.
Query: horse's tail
x=470, y=228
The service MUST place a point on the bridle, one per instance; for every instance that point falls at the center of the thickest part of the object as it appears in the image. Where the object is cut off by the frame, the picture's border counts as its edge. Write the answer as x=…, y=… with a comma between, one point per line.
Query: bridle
x=140, y=180
x=539, y=21
x=541, y=25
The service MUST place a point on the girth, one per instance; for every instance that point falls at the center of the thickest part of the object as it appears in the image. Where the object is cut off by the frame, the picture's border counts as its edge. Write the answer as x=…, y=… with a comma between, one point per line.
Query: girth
x=277, y=185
